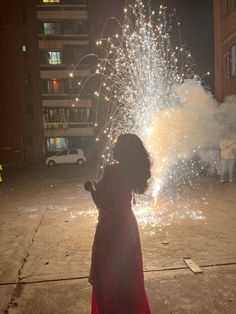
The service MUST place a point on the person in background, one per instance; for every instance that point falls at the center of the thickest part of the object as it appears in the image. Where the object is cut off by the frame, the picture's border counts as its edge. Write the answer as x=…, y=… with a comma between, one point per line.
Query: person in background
x=227, y=147
x=116, y=272
x=1, y=169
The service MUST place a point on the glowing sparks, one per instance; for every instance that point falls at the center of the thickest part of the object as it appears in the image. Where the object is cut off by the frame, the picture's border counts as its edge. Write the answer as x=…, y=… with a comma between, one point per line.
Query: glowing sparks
x=138, y=79
x=140, y=91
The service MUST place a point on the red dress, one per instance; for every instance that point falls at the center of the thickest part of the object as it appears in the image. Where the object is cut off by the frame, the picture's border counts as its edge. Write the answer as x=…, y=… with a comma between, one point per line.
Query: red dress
x=116, y=272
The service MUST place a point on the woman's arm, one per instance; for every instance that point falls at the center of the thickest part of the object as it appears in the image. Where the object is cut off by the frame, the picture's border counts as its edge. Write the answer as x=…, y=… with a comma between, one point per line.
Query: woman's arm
x=89, y=186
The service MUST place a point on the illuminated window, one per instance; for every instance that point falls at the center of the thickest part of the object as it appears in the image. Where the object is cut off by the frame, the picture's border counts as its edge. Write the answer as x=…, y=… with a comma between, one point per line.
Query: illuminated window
x=231, y=61
x=57, y=144
x=53, y=86
x=51, y=1
x=54, y=57
x=24, y=48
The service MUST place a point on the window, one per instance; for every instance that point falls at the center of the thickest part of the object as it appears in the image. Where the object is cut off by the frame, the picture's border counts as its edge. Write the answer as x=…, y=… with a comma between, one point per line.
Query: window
x=24, y=49
x=231, y=61
x=50, y=57
x=79, y=115
x=29, y=110
x=57, y=144
x=73, y=152
x=54, y=57
x=81, y=141
x=55, y=115
x=51, y=1
x=54, y=87
x=52, y=28
x=73, y=54
x=82, y=27
x=75, y=27
x=63, y=153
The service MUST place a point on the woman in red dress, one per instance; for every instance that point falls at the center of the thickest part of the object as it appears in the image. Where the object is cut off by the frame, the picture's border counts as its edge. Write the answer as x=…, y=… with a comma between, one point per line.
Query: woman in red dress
x=116, y=272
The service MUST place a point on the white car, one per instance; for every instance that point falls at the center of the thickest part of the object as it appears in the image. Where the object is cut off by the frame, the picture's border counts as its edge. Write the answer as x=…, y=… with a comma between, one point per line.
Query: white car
x=69, y=156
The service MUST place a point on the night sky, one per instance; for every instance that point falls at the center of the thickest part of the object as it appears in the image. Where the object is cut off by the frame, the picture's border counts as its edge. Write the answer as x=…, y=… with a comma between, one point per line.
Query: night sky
x=196, y=18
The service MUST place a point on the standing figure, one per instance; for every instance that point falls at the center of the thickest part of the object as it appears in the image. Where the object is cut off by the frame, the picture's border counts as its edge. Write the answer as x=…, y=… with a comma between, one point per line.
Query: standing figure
x=1, y=169
x=227, y=147
x=116, y=272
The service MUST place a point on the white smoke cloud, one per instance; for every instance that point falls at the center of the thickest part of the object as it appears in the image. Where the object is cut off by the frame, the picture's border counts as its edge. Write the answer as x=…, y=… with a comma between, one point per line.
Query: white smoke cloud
x=195, y=121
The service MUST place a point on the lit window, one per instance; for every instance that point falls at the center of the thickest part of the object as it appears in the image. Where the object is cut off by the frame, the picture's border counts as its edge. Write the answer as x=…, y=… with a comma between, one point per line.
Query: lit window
x=51, y=1
x=57, y=144
x=53, y=86
x=54, y=57
x=24, y=48
x=231, y=61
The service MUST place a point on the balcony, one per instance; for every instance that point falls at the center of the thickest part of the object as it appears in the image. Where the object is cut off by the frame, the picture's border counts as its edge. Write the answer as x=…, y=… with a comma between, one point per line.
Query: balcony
x=62, y=15
x=67, y=125
x=49, y=3
x=82, y=130
x=62, y=74
x=66, y=102
x=64, y=58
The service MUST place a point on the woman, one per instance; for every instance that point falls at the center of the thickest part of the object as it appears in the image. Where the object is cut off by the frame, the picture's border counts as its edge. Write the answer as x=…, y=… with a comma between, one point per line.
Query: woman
x=116, y=272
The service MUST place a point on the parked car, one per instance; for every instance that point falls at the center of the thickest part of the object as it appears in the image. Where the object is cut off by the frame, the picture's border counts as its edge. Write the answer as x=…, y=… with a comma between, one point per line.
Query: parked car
x=69, y=156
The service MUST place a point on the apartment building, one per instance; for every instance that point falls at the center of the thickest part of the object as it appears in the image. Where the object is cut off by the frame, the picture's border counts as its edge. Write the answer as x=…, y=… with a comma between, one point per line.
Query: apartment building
x=225, y=48
x=21, y=127
x=63, y=41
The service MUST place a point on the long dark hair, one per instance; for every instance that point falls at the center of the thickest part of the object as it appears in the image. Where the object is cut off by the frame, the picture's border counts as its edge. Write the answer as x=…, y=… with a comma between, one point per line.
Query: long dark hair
x=134, y=160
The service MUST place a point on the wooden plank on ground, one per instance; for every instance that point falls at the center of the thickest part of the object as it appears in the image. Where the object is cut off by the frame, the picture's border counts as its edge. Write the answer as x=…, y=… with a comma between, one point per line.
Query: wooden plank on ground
x=192, y=265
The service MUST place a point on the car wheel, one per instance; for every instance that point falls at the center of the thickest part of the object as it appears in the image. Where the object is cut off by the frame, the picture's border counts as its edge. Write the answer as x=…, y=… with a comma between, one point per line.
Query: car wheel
x=51, y=163
x=80, y=162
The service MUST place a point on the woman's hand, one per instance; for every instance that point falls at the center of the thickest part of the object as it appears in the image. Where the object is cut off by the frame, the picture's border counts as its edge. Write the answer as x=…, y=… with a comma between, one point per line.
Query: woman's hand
x=88, y=186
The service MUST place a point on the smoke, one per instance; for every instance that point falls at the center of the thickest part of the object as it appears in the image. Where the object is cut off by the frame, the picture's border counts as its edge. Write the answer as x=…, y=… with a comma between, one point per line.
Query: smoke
x=194, y=121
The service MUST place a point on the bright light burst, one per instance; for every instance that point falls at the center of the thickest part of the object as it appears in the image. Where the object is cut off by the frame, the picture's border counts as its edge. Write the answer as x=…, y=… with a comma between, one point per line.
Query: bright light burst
x=139, y=73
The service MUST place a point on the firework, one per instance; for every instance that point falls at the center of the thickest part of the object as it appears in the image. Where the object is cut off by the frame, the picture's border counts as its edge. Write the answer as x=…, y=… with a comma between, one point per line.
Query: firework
x=140, y=75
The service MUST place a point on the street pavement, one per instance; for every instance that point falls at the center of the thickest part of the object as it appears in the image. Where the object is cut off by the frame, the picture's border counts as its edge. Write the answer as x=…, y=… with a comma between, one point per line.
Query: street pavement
x=47, y=224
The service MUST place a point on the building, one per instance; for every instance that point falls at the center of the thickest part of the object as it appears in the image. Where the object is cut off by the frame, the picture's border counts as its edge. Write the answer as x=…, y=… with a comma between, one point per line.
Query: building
x=225, y=48
x=21, y=128
x=63, y=41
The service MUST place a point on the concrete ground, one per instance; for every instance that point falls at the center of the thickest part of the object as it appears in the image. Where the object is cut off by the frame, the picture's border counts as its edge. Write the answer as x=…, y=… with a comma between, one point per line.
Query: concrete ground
x=47, y=223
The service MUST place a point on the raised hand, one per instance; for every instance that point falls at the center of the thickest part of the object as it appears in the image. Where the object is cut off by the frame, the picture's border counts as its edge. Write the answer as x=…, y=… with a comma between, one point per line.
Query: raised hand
x=88, y=186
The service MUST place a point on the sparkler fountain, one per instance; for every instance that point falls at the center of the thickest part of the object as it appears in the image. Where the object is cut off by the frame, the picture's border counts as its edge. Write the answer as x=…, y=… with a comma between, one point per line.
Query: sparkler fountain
x=139, y=76
x=145, y=84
